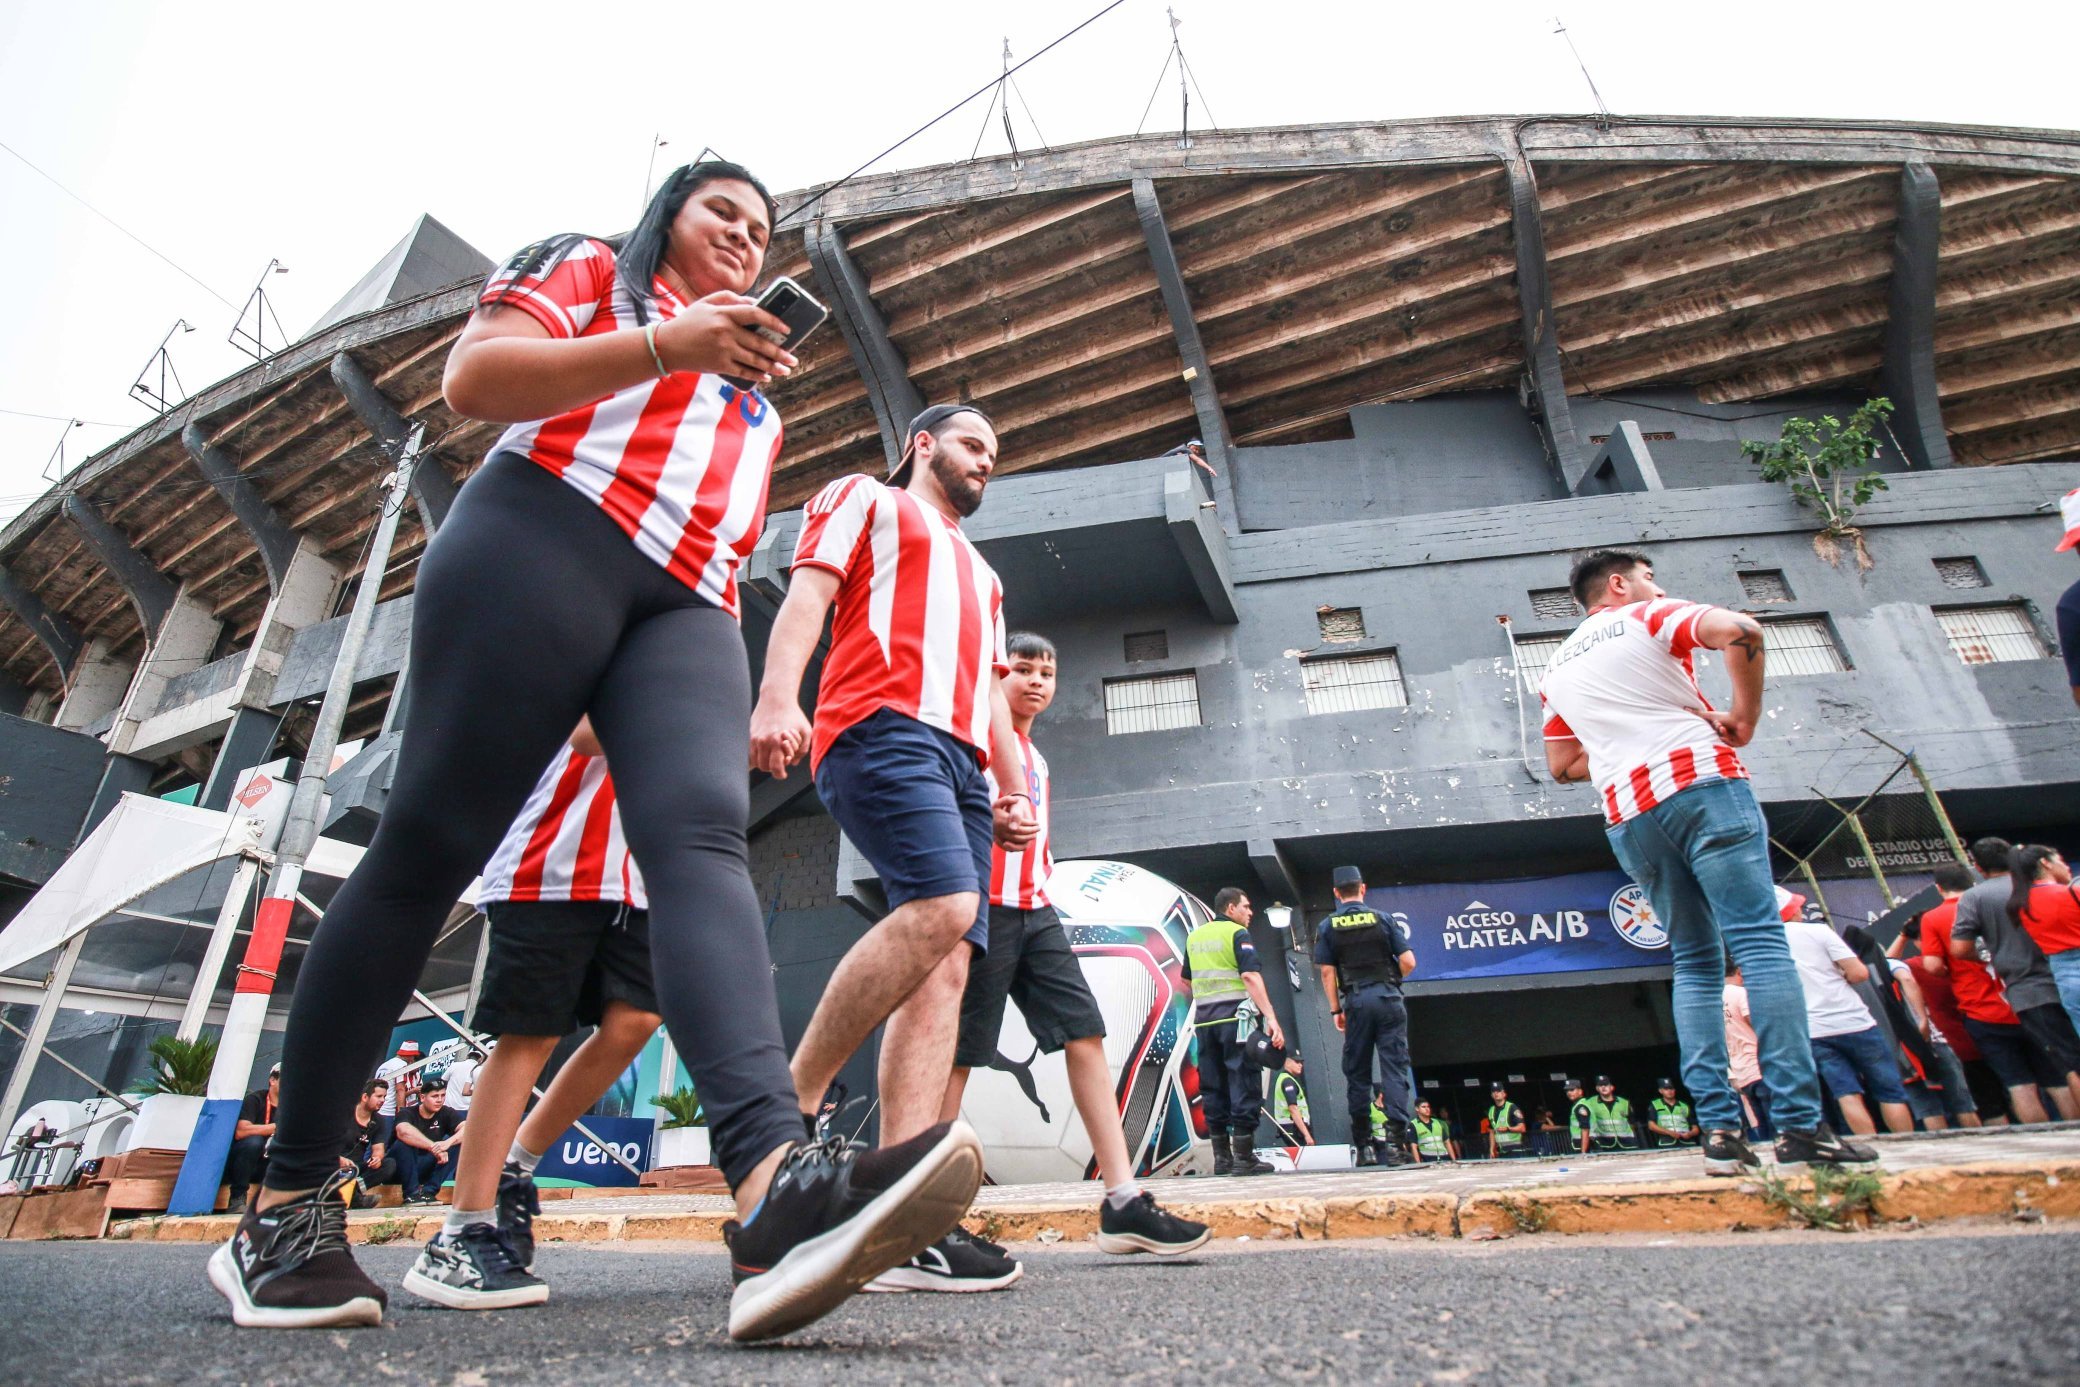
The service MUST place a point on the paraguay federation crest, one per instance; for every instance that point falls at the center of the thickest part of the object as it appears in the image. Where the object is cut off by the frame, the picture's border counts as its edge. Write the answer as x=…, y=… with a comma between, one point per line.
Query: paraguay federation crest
x=1633, y=917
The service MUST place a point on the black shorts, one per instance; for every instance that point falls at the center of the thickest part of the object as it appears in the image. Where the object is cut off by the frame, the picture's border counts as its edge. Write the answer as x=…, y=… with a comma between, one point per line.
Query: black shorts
x=2051, y=1030
x=1030, y=962
x=2014, y=1057
x=554, y=966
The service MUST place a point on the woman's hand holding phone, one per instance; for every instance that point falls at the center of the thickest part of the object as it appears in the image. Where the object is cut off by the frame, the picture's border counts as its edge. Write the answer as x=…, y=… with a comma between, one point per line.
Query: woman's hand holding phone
x=723, y=334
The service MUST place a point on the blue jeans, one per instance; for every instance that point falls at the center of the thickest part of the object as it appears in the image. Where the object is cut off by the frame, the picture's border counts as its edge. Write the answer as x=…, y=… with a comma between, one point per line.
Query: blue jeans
x=1703, y=859
x=422, y=1171
x=2065, y=971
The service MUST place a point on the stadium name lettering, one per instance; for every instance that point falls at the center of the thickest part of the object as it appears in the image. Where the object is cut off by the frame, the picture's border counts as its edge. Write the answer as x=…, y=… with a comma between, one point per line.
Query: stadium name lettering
x=1498, y=929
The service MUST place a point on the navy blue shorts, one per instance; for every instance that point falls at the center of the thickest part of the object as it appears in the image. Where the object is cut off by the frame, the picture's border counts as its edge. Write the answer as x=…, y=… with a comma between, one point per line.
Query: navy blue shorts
x=1858, y=1064
x=916, y=804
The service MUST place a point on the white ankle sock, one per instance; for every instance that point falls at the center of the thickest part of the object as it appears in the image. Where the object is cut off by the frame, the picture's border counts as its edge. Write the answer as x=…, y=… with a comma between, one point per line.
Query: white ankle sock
x=459, y=1219
x=519, y=1155
x=1119, y=1196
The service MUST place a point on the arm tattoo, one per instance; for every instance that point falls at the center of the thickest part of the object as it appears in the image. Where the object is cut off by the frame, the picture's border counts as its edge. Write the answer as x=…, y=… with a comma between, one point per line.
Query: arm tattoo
x=1750, y=638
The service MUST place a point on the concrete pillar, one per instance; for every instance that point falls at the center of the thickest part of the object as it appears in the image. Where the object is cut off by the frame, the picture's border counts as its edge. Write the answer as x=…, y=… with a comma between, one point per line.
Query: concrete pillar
x=187, y=635
x=95, y=687
x=303, y=596
x=120, y=775
x=247, y=742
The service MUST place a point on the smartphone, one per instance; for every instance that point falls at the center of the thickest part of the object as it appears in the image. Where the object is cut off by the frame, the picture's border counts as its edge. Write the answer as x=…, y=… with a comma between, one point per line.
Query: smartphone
x=792, y=305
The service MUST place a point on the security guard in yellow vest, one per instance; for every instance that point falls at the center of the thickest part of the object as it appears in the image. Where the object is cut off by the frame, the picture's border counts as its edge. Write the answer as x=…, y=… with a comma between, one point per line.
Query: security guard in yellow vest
x=1221, y=966
x=1610, y=1118
x=1362, y=956
x=1433, y=1137
x=1579, y=1119
x=1505, y=1124
x=1669, y=1120
x=1289, y=1101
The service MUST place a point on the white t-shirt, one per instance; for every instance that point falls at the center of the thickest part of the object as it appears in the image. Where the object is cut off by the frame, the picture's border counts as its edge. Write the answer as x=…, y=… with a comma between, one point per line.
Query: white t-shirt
x=1832, y=1006
x=388, y=1071
x=461, y=1075
x=1625, y=685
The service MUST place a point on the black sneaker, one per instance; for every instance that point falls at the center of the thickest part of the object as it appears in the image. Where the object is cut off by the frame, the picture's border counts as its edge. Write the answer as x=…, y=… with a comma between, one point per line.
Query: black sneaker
x=1725, y=1153
x=289, y=1267
x=475, y=1269
x=955, y=1263
x=518, y=1203
x=837, y=1216
x=1821, y=1146
x=1145, y=1226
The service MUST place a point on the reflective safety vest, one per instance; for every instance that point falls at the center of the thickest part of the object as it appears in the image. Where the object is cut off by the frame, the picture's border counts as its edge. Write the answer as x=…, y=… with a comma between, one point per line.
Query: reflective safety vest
x=1216, y=974
x=1500, y=1120
x=1671, y=1117
x=1363, y=945
x=1283, y=1109
x=1432, y=1137
x=1379, y=1123
x=1577, y=1123
x=1611, y=1124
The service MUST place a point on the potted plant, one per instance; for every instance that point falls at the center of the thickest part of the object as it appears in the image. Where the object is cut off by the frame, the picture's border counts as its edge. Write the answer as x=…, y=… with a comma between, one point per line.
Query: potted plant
x=682, y=1136
x=178, y=1079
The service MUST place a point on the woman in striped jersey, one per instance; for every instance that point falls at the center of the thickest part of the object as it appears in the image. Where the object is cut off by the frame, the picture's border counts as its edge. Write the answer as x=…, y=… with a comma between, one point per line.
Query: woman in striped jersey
x=589, y=567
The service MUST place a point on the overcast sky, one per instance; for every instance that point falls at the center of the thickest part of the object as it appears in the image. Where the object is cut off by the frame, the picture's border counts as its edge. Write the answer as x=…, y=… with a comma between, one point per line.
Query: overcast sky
x=225, y=135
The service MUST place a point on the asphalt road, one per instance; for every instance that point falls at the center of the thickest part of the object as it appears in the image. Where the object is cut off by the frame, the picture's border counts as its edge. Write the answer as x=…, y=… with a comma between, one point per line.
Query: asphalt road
x=1919, y=1307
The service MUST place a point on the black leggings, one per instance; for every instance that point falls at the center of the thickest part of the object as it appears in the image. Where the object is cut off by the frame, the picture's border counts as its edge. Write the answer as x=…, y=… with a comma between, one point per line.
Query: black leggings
x=533, y=609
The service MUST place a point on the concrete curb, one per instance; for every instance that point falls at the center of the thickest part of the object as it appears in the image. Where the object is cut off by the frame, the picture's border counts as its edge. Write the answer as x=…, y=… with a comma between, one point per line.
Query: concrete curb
x=2001, y=1189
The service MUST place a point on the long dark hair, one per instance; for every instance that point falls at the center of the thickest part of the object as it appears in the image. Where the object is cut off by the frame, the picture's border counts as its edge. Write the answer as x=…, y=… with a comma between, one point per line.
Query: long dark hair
x=638, y=251
x=2022, y=875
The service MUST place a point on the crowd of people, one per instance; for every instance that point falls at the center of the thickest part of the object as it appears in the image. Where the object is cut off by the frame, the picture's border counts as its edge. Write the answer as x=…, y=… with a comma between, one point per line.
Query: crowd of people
x=579, y=607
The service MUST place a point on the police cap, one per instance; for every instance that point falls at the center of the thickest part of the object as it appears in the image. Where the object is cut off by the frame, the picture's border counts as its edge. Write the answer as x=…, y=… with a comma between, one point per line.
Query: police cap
x=1498, y=1087
x=1573, y=1083
x=1259, y=1050
x=1604, y=1081
x=1664, y=1083
x=1344, y=878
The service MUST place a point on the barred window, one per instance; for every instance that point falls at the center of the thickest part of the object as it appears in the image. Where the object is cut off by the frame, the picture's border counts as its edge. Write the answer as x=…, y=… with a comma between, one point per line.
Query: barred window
x=1151, y=704
x=1147, y=645
x=1800, y=645
x=1989, y=635
x=1961, y=572
x=1341, y=623
x=1765, y=585
x=1534, y=653
x=1348, y=683
x=1555, y=604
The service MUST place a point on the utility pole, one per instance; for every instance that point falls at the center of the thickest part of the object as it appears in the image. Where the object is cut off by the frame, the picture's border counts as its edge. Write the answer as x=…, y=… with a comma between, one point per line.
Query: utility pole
x=202, y=1170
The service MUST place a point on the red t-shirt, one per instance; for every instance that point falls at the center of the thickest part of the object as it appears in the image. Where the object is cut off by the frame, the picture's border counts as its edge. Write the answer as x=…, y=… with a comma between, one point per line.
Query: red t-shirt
x=1941, y=1000
x=2052, y=917
x=1978, y=993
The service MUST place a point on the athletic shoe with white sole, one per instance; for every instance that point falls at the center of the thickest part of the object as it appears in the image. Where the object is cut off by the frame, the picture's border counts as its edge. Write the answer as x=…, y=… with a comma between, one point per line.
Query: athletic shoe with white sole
x=1146, y=1226
x=289, y=1268
x=837, y=1216
x=1820, y=1146
x=518, y=1203
x=1725, y=1153
x=475, y=1269
x=956, y=1263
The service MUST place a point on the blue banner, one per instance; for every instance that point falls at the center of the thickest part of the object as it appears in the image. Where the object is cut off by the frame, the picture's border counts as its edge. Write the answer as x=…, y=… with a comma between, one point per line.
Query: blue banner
x=1560, y=924
x=571, y=1157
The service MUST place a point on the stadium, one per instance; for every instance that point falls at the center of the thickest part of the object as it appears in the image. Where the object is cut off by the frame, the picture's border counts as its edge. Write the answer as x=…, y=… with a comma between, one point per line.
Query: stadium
x=1428, y=361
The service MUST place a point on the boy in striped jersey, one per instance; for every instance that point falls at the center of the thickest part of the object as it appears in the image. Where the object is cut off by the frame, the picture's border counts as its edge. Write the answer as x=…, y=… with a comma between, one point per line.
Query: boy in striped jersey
x=1030, y=959
x=570, y=947
x=1624, y=709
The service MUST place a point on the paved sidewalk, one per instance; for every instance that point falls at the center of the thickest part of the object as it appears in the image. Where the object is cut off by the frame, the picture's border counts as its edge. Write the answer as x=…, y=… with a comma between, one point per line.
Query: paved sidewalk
x=2003, y=1172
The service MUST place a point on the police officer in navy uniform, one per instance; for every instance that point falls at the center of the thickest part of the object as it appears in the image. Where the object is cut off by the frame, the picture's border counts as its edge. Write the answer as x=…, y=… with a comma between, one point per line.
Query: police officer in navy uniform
x=1363, y=956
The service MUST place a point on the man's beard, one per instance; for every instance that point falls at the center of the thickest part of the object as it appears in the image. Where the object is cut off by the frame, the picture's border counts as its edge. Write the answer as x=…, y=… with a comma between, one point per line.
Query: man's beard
x=962, y=492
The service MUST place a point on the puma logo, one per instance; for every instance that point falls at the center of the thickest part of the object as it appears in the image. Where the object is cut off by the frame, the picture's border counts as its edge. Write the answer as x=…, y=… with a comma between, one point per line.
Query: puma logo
x=1023, y=1074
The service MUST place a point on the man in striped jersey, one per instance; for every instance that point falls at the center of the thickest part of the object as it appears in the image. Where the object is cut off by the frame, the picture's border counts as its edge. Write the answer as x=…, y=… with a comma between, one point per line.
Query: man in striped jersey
x=909, y=718
x=1029, y=959
x=570, y=947
x=1624, y=709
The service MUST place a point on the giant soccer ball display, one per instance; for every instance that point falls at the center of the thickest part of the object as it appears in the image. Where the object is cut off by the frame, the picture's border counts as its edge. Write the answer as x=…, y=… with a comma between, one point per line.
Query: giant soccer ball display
x=1128, y=928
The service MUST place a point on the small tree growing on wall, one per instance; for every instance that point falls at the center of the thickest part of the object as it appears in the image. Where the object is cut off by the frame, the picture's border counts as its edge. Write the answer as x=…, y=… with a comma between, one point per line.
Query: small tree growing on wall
x=1831, y=467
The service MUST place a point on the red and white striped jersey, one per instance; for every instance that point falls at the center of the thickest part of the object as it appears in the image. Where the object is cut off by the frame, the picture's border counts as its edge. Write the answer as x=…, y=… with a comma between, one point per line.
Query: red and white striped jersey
x=1020, y=878
x=920, y=615
x=680, y=464
x=1625, y=685
x=567, y=843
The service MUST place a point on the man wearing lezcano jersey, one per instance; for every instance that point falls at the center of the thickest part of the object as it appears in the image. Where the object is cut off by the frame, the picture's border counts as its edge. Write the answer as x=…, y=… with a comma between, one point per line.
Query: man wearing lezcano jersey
x=1624, y=709
x=910, y=715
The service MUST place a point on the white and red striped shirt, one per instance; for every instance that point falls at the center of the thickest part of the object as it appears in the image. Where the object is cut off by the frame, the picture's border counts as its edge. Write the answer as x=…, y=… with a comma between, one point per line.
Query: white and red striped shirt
x=567, y=843
x=680, y=464
x=1019, y=879
x=1624, y=684
x=920, y=615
